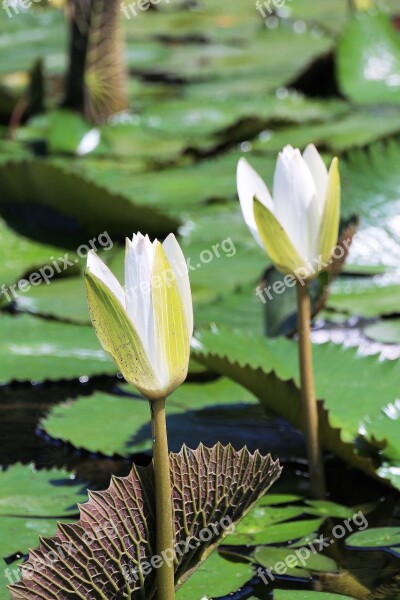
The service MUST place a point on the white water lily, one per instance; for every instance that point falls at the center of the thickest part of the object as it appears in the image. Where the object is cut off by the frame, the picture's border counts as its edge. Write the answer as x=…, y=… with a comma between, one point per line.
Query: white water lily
x=299, y=225
x=147, y=326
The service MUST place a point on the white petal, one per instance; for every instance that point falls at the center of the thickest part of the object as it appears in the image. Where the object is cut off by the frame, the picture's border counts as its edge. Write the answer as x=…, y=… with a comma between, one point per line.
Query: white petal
x=250, y=184
x=102, y=272
x=177, y=260
x=319, y=173
x=138, y=271
x=295, y=200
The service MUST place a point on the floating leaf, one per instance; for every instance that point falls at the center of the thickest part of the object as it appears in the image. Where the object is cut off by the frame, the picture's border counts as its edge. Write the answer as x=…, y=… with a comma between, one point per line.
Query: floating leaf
x=365, y=297
x=42, y=200
x=216, y=577
x=206, y=412
x=385, y=332
x=27, y=492
x=113, y=543
x=377, y=537
x=34, y=349
x=306, y=595
x=21, y=256
x=271, y=557
x=368, y=59
x=260, y=531
x=269, y=368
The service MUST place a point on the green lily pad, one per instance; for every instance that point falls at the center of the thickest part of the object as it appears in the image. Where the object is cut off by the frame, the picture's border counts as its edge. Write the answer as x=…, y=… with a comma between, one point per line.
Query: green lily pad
x=17, y=536
x=378, y=537
x=27, y=492
x=346, y=131
x=228, y=309
x=364, y=297
x=330, y=509
x=31, y=34
x=306, y=595
x=34, y=349
x=385, y=426
x=270, y=558
x=227, y=115
x=30, y=501
x=196, y=412
x=46, y=202
x=261, y=528
x=368, y=59
x=65, y=299
x=269, y=368
x=385, y=332
x=20, y=256
x=216, y=577
x=371, y=191
x=223, y=61
x=277, y=499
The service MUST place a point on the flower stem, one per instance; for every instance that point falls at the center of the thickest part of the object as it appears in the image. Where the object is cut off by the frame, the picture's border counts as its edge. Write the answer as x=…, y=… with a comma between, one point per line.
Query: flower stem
x=310, y=408
x=164, y=510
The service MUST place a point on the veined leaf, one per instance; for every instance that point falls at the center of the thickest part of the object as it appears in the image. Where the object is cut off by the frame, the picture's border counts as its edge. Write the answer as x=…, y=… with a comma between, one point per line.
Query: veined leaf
x=112, y=545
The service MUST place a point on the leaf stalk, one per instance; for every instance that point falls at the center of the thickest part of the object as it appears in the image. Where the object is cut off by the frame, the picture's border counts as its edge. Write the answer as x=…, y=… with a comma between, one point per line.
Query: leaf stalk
x=164, y=508
x=309, y=401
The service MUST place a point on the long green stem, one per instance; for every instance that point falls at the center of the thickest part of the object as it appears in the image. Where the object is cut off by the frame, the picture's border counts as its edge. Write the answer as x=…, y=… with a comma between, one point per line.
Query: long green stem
x=164, y=509
x=310, y=409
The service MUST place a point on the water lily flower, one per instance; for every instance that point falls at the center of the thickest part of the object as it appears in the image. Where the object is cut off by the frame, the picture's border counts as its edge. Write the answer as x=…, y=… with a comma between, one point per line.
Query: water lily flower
x=147, y=326
x=299, y=225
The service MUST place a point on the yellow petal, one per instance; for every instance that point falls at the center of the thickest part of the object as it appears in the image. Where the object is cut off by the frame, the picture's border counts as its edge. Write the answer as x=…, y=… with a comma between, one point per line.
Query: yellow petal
x=276, y=241
x=119, y=338
x=171, y=327
x=329, y=233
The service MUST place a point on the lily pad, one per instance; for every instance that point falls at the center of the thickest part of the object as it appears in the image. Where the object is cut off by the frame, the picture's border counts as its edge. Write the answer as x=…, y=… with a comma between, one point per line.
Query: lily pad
x=216, y=577
x=65, y=299
x=366, y=297
x=368, y=59
x=386, y=332
x=269, y=368
x=220, y=410
x=276, y=533
x=27, y=492
x=270, y=558
x=306, y=595
x=34, y=349
x=378, y=537
x=349, y=130
x=46, y=202
x=20, y=256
